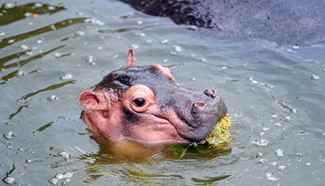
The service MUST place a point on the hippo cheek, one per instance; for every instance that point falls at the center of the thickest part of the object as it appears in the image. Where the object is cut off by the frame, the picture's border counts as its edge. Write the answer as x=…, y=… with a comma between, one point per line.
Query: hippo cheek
x=154, y=130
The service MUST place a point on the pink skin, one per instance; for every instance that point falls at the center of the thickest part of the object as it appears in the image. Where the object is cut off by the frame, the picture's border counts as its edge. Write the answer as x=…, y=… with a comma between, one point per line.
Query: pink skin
x=103, y=115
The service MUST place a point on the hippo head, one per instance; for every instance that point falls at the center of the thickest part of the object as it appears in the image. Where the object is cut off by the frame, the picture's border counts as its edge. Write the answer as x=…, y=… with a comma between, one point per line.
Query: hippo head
x=146, y=105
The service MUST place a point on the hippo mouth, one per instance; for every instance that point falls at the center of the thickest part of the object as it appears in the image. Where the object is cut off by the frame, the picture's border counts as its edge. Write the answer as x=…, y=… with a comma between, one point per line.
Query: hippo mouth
x=161, y=130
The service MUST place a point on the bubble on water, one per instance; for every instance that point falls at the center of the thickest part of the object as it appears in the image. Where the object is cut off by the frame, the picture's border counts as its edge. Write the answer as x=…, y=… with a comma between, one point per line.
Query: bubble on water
x=90, y=59
x=57, y=54
x=52, y=98
x=287, y=118
x=252, y=80
x=271, y=177
x=261, y=142
x=9, y=180
x=24, y=47
x=177, y=48
x=274, y=163
x=38, y=5
x=39, y=41
x=315, y=77
x=193, y=79
x=262, y=134
x=142, y=34
x=148, y=41
x=165, y=60
x=95, y=21
x=260, y=154
x=68, y=175
x=139, y=22
x=265, y=128
x=203, y=59
x=20, y=73
x=274, y=116
x=28, y=14
x=100, y=23
x=80, y=33
x=295, y=47
x=67, y=77
x=282, y=167
x=29, y=53
x=65, y=155
x=224, y=68
x=192, y=27
x=54, y=181
x=9, y=5
x=2, y=33
x=9, y=135
x=279, y=153
x=135, y=46
x=308, y=164
x=164, y=41
x=278, y=124
x=99, y=48
x=59, y=176
x=51, y=8
x=116, y=56
x=262, y=161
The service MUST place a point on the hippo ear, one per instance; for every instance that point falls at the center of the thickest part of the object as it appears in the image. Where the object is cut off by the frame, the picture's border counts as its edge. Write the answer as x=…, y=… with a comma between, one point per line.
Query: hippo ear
x=131, y=58
x=93, y=100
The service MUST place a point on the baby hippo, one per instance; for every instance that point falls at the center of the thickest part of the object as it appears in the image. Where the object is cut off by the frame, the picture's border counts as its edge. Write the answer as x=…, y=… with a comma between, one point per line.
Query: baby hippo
x=144, y=104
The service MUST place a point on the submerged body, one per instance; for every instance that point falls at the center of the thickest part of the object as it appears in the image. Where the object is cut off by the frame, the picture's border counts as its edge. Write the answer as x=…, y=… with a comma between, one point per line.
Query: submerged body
x=144, y=106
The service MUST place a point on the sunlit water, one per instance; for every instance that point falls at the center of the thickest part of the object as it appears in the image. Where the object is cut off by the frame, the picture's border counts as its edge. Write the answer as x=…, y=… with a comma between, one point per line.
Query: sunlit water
x=50, y=52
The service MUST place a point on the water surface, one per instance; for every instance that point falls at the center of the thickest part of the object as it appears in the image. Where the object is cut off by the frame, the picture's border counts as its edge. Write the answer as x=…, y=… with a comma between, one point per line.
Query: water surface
x=51, y=50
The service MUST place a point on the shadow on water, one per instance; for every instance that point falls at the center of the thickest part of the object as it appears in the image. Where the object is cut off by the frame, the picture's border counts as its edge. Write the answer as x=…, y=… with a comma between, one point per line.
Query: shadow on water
x=43, y=127
x=48, y=88
x=210, y=180
x=106, y=155
x=30, y=59
x=56, y=26
x=7, y=58
x=21, y=63
x=31, y=94
x=19, y=12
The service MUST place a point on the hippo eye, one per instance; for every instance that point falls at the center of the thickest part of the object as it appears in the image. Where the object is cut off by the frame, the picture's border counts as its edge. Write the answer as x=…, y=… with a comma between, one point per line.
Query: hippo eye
x=139, y=102
x=139, y=98
x=125, y=79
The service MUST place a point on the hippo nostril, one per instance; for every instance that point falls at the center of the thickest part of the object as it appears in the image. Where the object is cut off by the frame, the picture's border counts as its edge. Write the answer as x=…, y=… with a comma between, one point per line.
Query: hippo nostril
x=197, y=107
x=210, y=92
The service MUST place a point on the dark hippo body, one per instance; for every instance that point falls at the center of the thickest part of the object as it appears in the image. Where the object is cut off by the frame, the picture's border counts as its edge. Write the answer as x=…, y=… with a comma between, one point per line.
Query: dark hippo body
x=298, y=22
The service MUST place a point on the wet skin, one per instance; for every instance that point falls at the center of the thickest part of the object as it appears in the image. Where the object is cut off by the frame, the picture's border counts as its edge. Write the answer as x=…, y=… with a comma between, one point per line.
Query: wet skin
x=143, y=106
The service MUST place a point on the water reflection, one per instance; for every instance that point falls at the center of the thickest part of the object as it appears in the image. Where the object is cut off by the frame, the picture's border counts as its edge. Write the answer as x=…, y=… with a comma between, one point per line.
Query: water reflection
x=11, y=13
x=137, y=152
x=56, y=26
